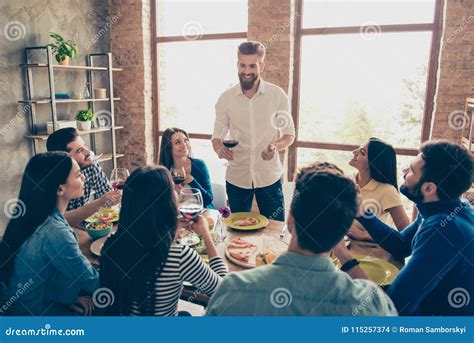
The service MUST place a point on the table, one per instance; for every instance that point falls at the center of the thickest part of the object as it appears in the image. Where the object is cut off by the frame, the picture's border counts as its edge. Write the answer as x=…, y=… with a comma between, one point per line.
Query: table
x=271, y=231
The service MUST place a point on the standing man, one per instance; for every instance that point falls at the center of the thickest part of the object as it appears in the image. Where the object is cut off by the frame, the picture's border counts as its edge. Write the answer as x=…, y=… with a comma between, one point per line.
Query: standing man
x=260, y=112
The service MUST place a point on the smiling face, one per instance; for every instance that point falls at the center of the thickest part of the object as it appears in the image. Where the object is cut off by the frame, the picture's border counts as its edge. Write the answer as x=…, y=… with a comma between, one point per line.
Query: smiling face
x=180, y=145
x=74, y=186
x=249, y=69
x=360, y=159
x=80, y=153
x=412, y=187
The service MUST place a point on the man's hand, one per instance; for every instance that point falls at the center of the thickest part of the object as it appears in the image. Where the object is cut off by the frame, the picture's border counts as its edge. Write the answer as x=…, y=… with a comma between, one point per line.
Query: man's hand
x=83, y=306
x=341, y=252
x=359, y=234
x=221, y=151
x=111, y=198
x=269, y=153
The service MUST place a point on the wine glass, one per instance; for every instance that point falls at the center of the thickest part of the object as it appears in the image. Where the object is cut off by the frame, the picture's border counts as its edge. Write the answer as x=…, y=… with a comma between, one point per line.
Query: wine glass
x=179, y=175
x=118, y=177
x=190, y=207
x=230, y=139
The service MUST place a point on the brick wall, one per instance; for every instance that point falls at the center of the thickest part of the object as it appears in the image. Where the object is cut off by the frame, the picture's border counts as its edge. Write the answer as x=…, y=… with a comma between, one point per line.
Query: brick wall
x=456, y=69
x=131, y=49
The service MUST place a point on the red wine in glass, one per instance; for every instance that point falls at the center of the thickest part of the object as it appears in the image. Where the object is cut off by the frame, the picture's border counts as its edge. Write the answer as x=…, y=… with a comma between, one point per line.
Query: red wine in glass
x=230, y=143
x=190, y=211
x=178, y=179
x=118, y=185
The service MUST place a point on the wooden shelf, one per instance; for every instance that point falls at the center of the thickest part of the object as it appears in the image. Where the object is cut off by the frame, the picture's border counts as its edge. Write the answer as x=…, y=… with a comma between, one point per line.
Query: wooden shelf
x=108, y=157
x=63, y=101
x=68, y=67
x=44, y=137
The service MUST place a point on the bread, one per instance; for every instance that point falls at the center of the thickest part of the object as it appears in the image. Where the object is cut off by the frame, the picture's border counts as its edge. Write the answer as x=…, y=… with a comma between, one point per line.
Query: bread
x=265, y=258
x=246, y=221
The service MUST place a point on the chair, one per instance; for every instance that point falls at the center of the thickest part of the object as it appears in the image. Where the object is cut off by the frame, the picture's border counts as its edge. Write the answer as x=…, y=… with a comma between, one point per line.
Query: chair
x=220, y=195
x=288, y=189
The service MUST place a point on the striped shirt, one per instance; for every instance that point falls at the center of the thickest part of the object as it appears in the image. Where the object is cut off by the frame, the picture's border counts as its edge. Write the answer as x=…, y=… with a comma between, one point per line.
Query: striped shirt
x=183, y=264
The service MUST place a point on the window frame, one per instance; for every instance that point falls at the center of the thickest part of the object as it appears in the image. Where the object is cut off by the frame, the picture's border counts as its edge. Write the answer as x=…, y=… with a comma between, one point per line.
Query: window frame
x=434, y=28
x=155, y=40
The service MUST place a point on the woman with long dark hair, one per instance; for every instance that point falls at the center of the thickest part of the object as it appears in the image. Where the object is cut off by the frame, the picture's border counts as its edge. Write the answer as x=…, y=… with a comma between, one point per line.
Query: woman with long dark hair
x=175, y=152
x=376, y=164
x=141, y=264
x=41, y=267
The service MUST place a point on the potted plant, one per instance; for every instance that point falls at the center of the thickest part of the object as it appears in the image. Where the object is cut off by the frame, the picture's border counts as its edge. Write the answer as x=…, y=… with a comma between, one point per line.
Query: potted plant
x=63, y=49
x=84, y=119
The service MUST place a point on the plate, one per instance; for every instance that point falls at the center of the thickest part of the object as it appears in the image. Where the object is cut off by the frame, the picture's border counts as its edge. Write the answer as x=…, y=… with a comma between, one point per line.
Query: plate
x=104, y=212
x=251, y=262
x=97, y=245
x=262, y=221
x=379, y=271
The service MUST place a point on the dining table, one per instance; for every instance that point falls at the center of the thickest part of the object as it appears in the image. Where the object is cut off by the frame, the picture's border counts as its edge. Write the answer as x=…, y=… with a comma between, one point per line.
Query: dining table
x=275, y=233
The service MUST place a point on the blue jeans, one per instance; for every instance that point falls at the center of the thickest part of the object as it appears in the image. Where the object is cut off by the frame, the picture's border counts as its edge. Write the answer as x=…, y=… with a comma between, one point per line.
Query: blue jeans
x=269, y=199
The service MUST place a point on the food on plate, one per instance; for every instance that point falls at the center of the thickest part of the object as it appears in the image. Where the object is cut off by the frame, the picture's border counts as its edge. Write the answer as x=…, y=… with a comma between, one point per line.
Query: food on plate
x=104, y=214
x=265, y=258
x=211, y=223
x=240, y=243
x=246, y=221
x=241, y=249
x=100, y=224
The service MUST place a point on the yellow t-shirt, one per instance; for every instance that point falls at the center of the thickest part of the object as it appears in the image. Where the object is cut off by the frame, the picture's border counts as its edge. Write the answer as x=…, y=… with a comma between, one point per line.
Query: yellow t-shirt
x=379, y=198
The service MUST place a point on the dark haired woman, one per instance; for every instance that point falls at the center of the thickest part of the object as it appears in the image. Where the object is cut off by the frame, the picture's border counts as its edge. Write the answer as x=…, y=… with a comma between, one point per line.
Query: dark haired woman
x=41, y=267
x=175, y=152
x=376, y=163
x=141, y=264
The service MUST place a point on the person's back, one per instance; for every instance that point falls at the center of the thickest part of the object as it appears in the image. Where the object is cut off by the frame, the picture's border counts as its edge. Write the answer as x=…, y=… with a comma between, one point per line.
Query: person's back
x=298, y=285
x=304, y=280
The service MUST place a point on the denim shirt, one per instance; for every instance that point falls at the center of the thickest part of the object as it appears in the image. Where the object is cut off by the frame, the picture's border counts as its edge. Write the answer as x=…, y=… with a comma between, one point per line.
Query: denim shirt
x=298, y=285
x=49, y=271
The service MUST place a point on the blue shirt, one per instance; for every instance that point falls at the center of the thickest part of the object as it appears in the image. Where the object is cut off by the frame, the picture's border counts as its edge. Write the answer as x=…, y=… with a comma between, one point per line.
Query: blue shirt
x=298, y=285
x=202, y=181
x=49, y=271
x=439, y=277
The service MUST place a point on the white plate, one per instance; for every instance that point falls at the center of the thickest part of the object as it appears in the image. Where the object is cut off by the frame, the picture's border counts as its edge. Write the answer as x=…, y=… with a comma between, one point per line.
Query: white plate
x=97, y=245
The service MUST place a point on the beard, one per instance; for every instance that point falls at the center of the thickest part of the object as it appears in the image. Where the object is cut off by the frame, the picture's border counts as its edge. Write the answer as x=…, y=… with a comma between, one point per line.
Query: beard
x=247, y=84
x=413, y=193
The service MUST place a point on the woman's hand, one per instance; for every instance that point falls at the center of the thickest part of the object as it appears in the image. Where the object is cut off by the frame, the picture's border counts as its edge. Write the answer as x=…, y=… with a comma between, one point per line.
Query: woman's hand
x=341, y=252
x=200, y=225
x=83, y=306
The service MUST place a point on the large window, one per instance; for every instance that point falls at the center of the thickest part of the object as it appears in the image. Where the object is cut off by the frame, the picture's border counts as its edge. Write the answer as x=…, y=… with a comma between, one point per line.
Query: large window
x=363, y=71
x=196, y=60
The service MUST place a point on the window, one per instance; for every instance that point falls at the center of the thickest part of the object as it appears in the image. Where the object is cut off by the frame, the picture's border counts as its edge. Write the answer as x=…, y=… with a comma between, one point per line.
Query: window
x=196, y=58
x=364, y=71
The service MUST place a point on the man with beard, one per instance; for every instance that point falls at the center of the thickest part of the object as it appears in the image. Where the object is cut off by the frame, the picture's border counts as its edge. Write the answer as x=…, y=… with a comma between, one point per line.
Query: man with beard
x=68, y=140
x=438, y=277
x=259, y=112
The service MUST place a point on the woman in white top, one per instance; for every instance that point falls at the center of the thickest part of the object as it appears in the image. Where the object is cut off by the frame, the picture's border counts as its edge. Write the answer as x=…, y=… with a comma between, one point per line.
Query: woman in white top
x=141, y=264
x=376, y=163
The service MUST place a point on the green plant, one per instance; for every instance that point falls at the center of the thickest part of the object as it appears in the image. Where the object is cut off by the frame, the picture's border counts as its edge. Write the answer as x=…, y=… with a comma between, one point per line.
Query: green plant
x=62, y=47
x=85, y=115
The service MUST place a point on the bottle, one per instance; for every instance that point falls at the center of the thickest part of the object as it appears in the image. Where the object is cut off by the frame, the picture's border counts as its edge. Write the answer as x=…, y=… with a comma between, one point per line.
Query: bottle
x=86, y=94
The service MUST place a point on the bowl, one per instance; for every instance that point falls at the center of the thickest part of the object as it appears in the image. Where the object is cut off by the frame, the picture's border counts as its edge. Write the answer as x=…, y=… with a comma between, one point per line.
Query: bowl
x=96, y=233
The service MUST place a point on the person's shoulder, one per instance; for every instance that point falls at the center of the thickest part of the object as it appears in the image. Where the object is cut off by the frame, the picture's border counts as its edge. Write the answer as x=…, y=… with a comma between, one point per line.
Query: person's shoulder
x=373, y=300
x=230, y=91
x=274, y=89
x=197, y=162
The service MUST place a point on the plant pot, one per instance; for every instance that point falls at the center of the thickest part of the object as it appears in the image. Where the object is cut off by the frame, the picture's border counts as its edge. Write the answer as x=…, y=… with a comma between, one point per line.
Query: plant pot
x=84, y=125
x=64, y=61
